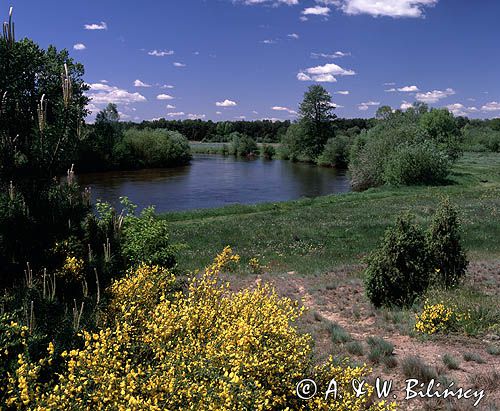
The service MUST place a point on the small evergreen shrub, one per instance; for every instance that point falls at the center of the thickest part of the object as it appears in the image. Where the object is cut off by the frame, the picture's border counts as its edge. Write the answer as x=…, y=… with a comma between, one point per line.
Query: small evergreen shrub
x=445, y=246
x=398, y=271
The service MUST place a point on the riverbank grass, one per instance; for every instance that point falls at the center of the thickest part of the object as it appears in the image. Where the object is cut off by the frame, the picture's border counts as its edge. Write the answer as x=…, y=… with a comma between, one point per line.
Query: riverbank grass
x=311, y=236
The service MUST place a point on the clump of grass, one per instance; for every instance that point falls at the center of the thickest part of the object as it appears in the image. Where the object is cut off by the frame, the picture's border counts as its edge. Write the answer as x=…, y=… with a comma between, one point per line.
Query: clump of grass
x=414, y=367
x=473, y=356
x=493, y=350
x=355, y=348
x=451, y=362
x=486, y=381
x=390, y=361
x=338, y=334
x=379, y=349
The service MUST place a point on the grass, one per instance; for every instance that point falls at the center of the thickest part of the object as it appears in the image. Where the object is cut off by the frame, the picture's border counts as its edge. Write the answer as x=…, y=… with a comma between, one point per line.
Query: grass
x=355, y=348
x=312, y=236
x=451, y=362
x=380, y=350
x=473, y=357
x=493, y=350
x=414, y=367
x=338, y=334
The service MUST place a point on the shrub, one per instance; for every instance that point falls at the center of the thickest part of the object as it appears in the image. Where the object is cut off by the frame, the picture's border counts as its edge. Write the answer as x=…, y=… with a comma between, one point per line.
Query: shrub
x=445, y=246
x=268, y=152
x=145, y=239
x=207, y=349
x=473, y=357
x=398, y=271
x=380, y=349
x=355, y=348
x=335, y=153
x=434, y=318
x=416, y=164
x=414, y=367
x=152, y=148
x=243, y=145
x=338, y=334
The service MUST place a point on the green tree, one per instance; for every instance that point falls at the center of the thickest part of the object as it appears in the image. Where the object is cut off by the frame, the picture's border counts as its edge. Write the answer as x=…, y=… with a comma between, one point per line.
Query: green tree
x=441, y=126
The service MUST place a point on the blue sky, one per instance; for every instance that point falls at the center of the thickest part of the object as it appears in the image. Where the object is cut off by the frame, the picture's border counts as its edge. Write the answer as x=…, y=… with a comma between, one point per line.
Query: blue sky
x=253, y=59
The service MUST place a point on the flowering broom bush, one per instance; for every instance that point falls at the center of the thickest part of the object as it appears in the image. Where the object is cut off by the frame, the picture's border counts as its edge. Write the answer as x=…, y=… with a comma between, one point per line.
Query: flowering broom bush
x=204, y=349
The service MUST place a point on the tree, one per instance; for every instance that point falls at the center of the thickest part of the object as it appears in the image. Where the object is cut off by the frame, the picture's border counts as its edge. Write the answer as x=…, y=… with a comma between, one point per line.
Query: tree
x=42, y=108
x=441, y=126
x=383, y=113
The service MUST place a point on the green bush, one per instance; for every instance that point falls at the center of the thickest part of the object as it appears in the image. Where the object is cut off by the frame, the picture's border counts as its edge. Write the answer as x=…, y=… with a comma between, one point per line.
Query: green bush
x=243, y=145
x=445, y=246
x=416, y=164
x=145, y=239
x=151, y=148
x=268, y=151
x=398, y=271
x=335, y=153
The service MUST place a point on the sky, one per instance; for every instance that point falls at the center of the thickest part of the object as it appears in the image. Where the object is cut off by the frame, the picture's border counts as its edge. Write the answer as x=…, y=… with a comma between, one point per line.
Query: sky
x=254, y=59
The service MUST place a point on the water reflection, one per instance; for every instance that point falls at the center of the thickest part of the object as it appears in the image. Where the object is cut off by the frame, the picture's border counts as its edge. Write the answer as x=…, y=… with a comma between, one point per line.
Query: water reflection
x=215, y=181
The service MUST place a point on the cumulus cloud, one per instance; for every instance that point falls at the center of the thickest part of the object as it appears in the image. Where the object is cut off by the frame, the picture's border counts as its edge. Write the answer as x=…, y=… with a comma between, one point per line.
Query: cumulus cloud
x=139, y=83
x=316, y=11
x=161, y=53
x=367, y=105
x=79, y=46
x=280, y=108
x=178, y=114
x=226, y=103
x=169, y=86
x=405, y=105
x=388, y=8
x=103, y=94
x=435, y=95
x=177, y=64
x=491, y=106
x=344, y=92
x=459, y=109
x=96, y=26
x=268, y=41
x=267, y=2
x=170, y=107
x=196, y=116
x=336, y=55
x=324, y=74
x=293, y=36
x=408, y=89
x=164, y=97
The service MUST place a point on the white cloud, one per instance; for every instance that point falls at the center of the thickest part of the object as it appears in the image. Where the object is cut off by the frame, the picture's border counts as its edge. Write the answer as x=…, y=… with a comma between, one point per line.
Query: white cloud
x=293, y=36
x=324, y=74
x=316, y=11
x=241, y=117
x=177, y=64
x=268, y=41
x=367, y=105
x=435, y=95
x=164, y=97
x=459, y=109
x=196, y=116
x=405, y=105
x=491, y=106
x=280, y=108
x=170, y=107
x=391, y=90
x=164, y=86
x=178, y=114
x=389, y=8
x=218, y=112
x=344, y=93
x=265, y=2
x=409, y=89
x=96, y=26
x=161, y=53
x=79, y=46
x=103, y=94
x=139, y=83
x=226, y=103
x=389, y=84
x=336, y=55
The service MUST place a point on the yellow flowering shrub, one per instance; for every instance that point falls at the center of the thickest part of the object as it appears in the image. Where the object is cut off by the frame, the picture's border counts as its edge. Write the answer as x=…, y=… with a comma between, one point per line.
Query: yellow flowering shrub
x=205, y=349
x=434, y=318
x=73, y=266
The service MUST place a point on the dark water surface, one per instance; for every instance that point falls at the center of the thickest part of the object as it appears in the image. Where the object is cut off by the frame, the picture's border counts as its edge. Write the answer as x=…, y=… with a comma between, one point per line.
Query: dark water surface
x=215, y=181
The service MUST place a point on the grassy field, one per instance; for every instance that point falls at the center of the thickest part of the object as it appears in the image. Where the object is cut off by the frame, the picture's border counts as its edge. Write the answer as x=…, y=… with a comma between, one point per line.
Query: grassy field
x=312, y=236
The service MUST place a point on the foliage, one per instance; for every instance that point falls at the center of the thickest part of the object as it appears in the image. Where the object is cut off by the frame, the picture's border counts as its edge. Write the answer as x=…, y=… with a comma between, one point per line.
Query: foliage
x=398, y=271
x=306, y=140
x=151, y=148
x=480, y=136
x=417, y=146
x=336, y=152
x=268, y=151
x=207, y=349
x=416, y=164
x=243, y=145
x=445, y=246
x=145, y=239
x=434, y=318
